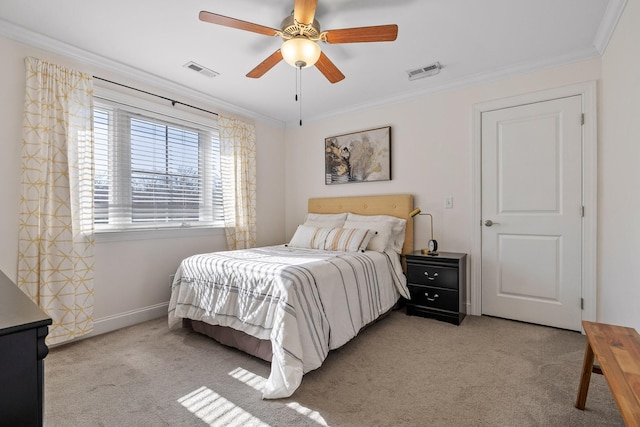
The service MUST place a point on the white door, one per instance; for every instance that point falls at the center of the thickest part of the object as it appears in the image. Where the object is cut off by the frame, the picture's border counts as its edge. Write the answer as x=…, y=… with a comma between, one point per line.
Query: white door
x=532, y=212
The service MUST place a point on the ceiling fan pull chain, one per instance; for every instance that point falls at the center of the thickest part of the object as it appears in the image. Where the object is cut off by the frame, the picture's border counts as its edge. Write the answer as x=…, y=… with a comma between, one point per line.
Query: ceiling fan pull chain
x=296, y=84
x=300, y=73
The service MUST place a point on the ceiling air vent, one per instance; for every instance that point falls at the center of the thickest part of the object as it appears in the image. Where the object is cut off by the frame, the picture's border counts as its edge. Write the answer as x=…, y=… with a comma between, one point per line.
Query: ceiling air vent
x=200, y=69
x=429, y=70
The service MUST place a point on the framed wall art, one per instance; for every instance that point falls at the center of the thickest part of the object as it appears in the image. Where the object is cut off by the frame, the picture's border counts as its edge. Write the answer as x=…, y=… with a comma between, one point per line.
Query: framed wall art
x=358, y=157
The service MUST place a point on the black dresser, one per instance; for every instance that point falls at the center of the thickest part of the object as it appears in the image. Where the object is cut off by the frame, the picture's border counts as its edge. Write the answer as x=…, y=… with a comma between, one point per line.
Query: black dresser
x=23, y=328
x=437, y=285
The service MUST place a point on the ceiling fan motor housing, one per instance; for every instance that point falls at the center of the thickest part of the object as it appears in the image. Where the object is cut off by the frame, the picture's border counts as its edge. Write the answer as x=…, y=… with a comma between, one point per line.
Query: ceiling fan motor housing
x=292, y=28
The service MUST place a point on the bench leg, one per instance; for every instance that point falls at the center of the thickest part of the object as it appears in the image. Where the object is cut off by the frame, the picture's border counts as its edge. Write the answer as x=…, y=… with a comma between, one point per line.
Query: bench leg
x=587, y=367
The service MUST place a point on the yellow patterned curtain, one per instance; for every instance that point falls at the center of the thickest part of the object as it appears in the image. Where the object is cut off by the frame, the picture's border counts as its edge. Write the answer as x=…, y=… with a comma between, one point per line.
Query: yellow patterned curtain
x=56, y=242
x=238, y=172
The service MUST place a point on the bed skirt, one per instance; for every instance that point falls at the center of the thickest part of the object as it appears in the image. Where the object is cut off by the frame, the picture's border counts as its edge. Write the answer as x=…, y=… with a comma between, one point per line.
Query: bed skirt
x=232, y=338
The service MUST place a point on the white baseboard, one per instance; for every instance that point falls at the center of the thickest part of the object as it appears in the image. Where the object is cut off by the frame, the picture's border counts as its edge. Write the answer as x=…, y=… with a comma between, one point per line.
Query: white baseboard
x=128, y=318
x=469, y=311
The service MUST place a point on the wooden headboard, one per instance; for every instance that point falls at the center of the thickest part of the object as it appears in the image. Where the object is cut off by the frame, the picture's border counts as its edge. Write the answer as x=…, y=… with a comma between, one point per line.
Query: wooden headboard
x=398, y=205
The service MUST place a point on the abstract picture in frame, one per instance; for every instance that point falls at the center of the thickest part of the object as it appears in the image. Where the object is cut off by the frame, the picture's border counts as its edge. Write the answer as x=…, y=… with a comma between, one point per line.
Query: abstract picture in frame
x=362, y=156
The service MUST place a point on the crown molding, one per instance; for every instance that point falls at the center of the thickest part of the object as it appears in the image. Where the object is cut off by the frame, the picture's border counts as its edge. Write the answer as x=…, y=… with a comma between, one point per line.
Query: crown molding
x=608, y=24
x=503, y=73
x=101, y=63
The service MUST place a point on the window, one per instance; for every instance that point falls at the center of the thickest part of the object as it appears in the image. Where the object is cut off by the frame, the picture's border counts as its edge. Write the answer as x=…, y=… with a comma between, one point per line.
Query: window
x=154, y=170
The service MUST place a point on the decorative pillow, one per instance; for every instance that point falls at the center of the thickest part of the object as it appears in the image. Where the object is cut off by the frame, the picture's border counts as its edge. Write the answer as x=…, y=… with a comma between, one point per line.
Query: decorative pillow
x=390, y=230
x=325, y=220
x=348, y=239
x=307, y=236
x=381, y=240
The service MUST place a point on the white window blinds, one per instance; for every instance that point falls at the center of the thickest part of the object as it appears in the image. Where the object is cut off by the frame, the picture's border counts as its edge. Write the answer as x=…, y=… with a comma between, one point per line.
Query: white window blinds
x=153, y=170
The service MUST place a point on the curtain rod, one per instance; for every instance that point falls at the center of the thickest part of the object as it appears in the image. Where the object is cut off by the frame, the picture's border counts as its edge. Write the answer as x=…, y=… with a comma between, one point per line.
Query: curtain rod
x=173, y=101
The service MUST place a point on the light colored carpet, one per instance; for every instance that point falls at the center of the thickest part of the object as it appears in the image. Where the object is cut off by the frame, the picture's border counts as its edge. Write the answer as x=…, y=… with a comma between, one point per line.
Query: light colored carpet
x=402, y=371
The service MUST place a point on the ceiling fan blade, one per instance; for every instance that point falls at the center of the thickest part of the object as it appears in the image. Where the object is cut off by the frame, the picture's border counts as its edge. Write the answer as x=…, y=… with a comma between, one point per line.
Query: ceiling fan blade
x=266, y=65
x=304, y=11
x=329, y=69
x=214, y=18
x=378, y=33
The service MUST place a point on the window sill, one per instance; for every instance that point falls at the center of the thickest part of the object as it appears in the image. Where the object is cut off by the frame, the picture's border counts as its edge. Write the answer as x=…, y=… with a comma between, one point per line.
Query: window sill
x=156, y=233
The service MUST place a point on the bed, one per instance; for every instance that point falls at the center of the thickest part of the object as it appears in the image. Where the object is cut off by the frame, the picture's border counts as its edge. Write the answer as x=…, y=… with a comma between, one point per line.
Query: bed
x=291, y=304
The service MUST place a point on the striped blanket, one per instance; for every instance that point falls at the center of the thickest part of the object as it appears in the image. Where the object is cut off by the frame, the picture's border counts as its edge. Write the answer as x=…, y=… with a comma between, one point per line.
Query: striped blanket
x=305, y=301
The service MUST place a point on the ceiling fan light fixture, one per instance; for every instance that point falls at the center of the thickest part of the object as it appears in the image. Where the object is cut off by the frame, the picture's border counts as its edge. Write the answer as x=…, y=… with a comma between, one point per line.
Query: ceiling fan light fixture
x=300, y=52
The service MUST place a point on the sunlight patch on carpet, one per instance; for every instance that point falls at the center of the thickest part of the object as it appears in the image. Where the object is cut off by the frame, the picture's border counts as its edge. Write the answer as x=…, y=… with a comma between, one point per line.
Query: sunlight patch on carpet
x=254, y=381
x=214, y=409
x=257, y=383
x=309, y=413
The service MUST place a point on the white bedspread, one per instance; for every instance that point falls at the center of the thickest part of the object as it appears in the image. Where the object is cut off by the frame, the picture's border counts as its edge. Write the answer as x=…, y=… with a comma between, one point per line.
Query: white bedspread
x=305, y=301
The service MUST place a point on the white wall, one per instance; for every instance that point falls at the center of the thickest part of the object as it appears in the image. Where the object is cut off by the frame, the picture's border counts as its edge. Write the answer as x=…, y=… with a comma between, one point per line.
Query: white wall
x=619, y=175
x=431, y=152
x=132, y=276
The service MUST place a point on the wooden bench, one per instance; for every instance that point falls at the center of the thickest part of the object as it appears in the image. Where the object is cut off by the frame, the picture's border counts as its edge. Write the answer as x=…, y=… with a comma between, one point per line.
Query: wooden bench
x=617, y=349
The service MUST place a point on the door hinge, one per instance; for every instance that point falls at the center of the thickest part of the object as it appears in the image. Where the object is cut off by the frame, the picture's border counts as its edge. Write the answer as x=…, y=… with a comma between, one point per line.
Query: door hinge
x=582, y=119
x=582, y=211
x=581, y=303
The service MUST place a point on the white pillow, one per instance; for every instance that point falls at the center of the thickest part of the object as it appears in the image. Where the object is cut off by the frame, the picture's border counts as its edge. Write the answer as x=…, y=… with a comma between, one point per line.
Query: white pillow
x=307, y=236
x=348, y=239
x=325, y=220
x=390, y=230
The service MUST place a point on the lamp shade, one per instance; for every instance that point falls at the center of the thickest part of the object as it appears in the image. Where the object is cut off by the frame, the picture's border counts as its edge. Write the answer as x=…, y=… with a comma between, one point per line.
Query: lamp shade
x=300, y=52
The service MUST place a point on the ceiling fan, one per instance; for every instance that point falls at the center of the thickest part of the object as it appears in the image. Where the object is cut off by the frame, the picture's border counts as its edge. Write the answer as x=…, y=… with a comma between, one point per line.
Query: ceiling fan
x=301, y=34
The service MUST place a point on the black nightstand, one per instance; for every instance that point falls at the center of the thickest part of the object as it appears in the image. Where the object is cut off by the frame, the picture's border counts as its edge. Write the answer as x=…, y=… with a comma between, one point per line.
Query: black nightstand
x=438, y=285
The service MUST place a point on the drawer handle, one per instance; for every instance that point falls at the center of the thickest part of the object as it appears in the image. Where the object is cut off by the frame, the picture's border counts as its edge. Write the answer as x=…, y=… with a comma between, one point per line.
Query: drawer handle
x=426, y=294
x=426, y=273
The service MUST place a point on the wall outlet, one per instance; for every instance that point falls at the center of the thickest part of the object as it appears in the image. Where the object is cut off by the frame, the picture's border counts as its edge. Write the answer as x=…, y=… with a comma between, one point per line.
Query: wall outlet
x=448, y=202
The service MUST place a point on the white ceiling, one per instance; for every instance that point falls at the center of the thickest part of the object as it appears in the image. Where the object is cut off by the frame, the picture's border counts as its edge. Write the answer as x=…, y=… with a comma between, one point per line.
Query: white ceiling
x=473, y=40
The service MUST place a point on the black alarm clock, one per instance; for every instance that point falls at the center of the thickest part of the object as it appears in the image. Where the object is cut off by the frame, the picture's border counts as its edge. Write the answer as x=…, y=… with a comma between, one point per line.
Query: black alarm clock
x=433, y=247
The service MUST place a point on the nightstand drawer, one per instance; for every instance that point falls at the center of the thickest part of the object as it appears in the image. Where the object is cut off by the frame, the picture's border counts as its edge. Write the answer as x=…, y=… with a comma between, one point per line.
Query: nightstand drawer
x=442, y=277
x=443, y=299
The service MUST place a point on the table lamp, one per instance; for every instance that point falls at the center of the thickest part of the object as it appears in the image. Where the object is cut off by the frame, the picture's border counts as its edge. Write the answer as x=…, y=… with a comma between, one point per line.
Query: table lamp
x=432, y=245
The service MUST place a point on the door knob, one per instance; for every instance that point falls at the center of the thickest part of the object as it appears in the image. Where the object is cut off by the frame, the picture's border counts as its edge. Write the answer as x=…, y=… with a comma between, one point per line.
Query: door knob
x=489, y=223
